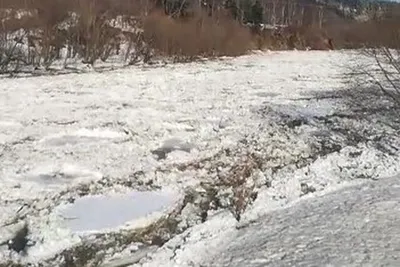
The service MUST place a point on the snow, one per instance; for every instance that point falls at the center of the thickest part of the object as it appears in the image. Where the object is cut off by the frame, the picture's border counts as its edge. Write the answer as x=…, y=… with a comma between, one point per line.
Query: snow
x=356, y=225
x=131, y=255
x=66, y=173
x=80, y=136
x=196, y=246
x=81, y=144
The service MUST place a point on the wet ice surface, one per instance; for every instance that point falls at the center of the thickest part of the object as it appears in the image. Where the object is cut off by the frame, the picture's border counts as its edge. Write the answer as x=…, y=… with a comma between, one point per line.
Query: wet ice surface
x=107, y=212
x=82, y=136
x=85, y=137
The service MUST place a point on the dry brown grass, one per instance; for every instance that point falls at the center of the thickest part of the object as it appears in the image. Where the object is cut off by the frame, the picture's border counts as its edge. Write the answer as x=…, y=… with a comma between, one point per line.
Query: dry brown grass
x=343, y=35
x=200, y=36
x=366, y=34
x=294, y=37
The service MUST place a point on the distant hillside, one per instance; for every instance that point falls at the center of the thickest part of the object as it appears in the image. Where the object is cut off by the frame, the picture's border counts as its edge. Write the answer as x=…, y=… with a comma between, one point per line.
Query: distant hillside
x=360, y=9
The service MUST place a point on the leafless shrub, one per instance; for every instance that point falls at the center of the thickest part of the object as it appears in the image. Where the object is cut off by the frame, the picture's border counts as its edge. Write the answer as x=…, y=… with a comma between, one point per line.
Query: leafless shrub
x=232, y=185
x=12, y=56
x=137, y=50
x=39, y=20
x=237, y=186
x=50, y=14
x=387, y=75
x=81, y=26
x=243, y=186
x=12, y=33
x=384, y=51
x=92, y=36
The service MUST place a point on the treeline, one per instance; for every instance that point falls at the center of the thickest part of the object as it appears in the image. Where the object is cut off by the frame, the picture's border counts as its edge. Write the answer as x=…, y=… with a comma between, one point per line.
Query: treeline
x=281, y=12
x=272, y=12
x=37, y=33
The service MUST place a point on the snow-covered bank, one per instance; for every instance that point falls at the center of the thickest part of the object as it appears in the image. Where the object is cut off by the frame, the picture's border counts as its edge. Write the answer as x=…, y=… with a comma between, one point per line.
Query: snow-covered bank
x=355, y=226
x=279, y=119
